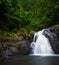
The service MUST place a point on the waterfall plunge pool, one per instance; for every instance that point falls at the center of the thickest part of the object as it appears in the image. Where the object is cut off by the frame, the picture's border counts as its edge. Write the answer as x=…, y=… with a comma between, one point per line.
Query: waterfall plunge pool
x=44, y=55
x=33, y=60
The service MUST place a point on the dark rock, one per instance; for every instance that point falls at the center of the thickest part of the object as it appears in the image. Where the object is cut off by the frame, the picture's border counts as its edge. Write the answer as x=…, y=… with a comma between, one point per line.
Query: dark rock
x=24, y=47
x=52, y=34
x=55, y=29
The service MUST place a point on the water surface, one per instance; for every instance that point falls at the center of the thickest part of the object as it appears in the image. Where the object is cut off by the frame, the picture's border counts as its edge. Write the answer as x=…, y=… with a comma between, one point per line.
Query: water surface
x=33, y=60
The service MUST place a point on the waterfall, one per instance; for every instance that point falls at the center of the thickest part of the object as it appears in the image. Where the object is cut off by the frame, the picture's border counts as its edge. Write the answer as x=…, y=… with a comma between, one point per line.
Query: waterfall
x=41, y=44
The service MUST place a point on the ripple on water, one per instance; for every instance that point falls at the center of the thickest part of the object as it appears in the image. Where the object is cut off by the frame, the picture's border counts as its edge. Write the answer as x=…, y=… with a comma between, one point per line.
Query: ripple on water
x=44, y=54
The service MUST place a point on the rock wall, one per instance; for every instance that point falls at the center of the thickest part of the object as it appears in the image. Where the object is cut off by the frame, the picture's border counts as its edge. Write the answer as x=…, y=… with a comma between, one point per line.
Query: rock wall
x=52, y=34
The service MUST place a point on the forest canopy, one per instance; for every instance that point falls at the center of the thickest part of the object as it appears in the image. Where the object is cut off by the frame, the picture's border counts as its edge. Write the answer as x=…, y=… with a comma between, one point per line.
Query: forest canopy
x=28, y=14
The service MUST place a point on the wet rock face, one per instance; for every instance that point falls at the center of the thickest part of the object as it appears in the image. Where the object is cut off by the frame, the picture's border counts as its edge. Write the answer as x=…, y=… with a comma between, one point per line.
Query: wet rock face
x=1, y=49
x=55, y=29
x=9, y=49
x=52, y=34
x=24, y=47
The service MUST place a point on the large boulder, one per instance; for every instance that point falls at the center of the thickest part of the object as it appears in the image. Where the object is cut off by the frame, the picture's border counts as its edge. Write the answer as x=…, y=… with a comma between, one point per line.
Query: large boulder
x=55, y=29
x=24, y=47
x=52, y=34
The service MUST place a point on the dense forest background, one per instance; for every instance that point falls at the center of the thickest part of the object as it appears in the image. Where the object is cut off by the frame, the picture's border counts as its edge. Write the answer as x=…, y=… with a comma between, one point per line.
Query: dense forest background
x=28, y=14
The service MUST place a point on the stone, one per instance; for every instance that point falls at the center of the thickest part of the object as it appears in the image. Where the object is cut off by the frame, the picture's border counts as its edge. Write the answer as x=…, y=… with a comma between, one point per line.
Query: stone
x=52, y=33
x=23, y=47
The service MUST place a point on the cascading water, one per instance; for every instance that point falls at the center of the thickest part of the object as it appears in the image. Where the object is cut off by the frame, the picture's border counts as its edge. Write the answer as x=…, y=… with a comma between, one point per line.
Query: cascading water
x=41, y=44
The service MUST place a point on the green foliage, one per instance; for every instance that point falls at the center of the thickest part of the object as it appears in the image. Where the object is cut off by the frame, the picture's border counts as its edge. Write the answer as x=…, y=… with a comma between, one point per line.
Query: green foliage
x=28, y=14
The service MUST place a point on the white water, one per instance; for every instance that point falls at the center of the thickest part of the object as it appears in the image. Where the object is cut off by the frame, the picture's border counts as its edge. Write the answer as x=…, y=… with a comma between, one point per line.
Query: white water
x=42, y=45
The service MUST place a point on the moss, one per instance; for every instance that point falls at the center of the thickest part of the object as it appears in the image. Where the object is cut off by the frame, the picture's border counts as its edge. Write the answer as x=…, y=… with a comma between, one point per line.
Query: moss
x=21, y=34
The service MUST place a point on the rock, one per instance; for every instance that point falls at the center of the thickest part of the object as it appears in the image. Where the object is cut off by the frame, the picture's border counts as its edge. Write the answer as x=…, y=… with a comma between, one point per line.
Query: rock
x=1, y=50
x=24, y=47
x=30, y=38
x=55, y=29
x=13, y=50
x=9, y=49
x=52, y=34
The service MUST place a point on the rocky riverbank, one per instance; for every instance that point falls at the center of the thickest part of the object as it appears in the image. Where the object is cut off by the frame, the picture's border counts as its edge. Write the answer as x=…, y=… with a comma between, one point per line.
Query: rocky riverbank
x=19, y=44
